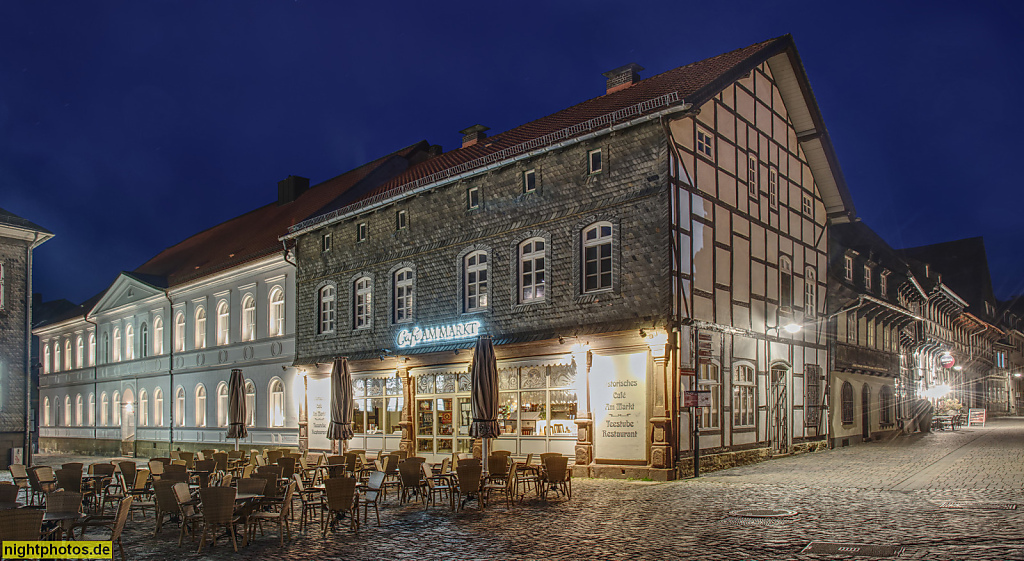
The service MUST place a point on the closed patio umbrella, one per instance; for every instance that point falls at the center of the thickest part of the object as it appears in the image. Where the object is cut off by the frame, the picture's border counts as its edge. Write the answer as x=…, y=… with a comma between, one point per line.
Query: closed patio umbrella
x=236, y=406
x=342, y=405
x=484, y=377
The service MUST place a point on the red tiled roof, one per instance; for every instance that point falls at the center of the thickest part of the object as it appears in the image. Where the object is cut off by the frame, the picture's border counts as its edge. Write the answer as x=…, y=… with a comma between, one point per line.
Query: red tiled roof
x=255, y=234
x=694, y=83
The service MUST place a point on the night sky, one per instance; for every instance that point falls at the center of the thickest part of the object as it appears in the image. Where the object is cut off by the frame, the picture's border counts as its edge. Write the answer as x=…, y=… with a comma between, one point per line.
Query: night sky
x=127, y=126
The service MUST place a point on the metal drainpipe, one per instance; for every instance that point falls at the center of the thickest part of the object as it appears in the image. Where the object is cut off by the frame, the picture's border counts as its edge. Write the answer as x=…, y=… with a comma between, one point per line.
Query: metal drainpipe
x=170, y=373
x=95, y=376
x=27, y=457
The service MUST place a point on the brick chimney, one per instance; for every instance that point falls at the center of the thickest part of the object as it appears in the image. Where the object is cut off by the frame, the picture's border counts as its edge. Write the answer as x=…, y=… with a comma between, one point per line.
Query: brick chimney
x=291, y=188
x=473, y=134
x=622, y=77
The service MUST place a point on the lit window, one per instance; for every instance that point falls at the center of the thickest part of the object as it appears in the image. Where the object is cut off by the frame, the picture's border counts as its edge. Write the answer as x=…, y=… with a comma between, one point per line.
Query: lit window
x=67, y=354
x=105, y=348
x=361, y=232
x=222, y=405
x=401, y=220
x=532, y=272
x=743, y=392
x=597, y=257
x=867, y=277
x=158, y=336
x=250, y=403
x=223, y=323
x=325, y=242
x=67, y=411
x=476, y=281
x=56, y=356
x=594, y=162
x=143, y=341
x=104, y=415
x=276, y=312
x=704, y=143
x=46, y=412
x=46, y=358
x=529, y=181
x=179, y=407
x=117, y=344
x=78, y=410
x=143, y=408
x=115, y=409
x=200, y=335
x=871, y=333
x=276, y=403
x=773, y=188
x=885, y=339
x=851, y=327
x=80, y=352
x=179, y=332
x=129, y=342
x=158, y=407
x=92, y=349
x=248, y=318
x=883, y=283
x=327, y=309
x=752, y=174
x=363, y=303
x=200, y=405
x=848, y=268
x=785, y=283
x=810, y=292
x=709, y=380
x=473, y=198
x=846, y=401
x=92, y=409
x=403, y=296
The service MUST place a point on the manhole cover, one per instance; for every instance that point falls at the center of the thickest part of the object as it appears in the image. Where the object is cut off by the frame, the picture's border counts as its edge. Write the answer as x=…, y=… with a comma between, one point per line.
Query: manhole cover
x=983, y=506
x=741, y=521
x=763, y=513
x=830, y=548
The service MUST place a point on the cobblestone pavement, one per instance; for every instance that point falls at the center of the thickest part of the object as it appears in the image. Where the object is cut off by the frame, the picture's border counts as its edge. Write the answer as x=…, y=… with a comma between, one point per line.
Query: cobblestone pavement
x=883, y=493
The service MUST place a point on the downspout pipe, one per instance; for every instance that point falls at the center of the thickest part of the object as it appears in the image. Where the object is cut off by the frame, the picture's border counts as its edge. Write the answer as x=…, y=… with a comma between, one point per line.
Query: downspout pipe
x=95, y=377
x=170, y=372
x=27, y=456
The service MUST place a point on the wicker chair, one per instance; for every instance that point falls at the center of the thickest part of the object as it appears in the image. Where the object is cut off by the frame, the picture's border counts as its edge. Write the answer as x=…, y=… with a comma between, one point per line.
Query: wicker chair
x=19, y=475
x=21, y=524
x=156, y=469
x=255, y=486
x=114, y=523
x=64, y=501
x=557, y=477
x=220, y=460
x=469, y=483
x=175, y=472
x=435, y=485
x=497, y=468
x=287, y=466
x=391, y=478
x=371, y=494
x=188, y=457
x=410, y=475
x=505, y=486
x=142, y=492
x=273, y=456
x=527, y=478
x=279, y=517
x=218, y=510
x=340, y=494
x=128, y=473
x=69, y=479
x=9, y=493
x=189, y=516
x=42, y=481
x=166, y=503
x=73, y=465
x=309, y=498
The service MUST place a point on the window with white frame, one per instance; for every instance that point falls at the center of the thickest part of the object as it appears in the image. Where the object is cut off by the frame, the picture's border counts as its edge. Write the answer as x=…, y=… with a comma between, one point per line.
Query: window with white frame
x=56, y=356
x=67, y=354
x=401, y=220
x=276, y=315
x=810, y=292
x=67, y=411
x=92, y=409
x=848, y=268
x=773, y=187
x=883, y=283
x=851, y=327
x=361, y=232
x=885, y=338
x=116, y=347
x=808, y=208
x=250, y=404
x=223, y=323
x=143, y=408
x=475, y=266
x=785, y=282
x=179, y=407
x=532, y=271
x=78, y=410
x=80, y=352
x=179, y=332
x=752, y=174
x=709, y=379
x=597, y=257
x=46, y=358
x=276, y=403
x=92, y=349
x=129, y=342
x=846, y=403
x=222, y=404
x=867, y=277
x=812, y=394
x=529, y=181
x=327, y=308
x=595, y=164
x=200, y=405
x=705, y=143
x=158, y=335
x=325, y=242
x=403, y=290
x=473, y=198
x=248, y=318
x=143, y=340
x=743, y=395
x=362, y=304
x=46, y=412
x=870, y=325
x=158, y=407
x=115, y=409
x=200, y=334
x=104, y=409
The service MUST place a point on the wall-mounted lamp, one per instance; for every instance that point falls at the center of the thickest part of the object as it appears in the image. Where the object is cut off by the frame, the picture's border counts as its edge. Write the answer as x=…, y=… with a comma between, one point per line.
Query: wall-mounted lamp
x=792, y=327
x=958, y=368
x=1017, y=375
x=129, y=408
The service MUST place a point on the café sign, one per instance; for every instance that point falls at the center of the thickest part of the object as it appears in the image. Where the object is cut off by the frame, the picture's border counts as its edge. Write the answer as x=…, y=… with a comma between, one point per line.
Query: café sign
x=437, y=334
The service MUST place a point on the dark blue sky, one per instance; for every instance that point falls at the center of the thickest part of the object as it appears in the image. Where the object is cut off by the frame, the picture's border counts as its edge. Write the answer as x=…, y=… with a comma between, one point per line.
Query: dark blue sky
x=128, y=126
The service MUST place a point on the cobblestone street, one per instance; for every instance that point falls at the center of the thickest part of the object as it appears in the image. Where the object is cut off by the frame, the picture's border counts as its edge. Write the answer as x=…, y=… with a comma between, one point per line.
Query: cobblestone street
x=883, y=493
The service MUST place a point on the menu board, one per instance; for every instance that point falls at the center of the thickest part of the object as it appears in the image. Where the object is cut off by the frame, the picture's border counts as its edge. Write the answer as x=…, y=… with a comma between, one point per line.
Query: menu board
x=319, y=412
x=618, y=386
x=975, y=417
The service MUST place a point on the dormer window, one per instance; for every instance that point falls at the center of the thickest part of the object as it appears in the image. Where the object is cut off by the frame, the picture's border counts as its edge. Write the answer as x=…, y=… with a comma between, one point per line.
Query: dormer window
x=867, y=277
x=401, y=220
x=848, y=265
x=883, y=283
x=595, y=163
x=325, y=243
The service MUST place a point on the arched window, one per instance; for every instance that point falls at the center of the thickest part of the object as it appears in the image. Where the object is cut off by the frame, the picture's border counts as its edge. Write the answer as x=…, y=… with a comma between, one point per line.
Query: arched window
x=200, y=405
x=200, y=339
x=143, y=408
x=403, y=290
x=222, y=404
x=812, y=394
x=103, y=409
x=143, y=340
x=117, y=345
x=56, y=356
x=158, y=336
x=179, y=407
x=129, y=342
x=105, y=348
x=250, y=403
x=810, y=292
x=846, y=400
x=248, y=318
x=885, y=405
x=67, y=411
x=597, y=257
x=785, y=282
x=475, y=267
x=92, y=349
x=78, y=410
x=158, y=407
x=179, y=333
x=223, y=323
x=46, y=359
x=326, y=306
x=92, y=409
x=67, y=354
x=532, y=270
x=276, y=403
x=115, y=409
x=362, y=304
x=276, y=315
x=80, y=352
x=46, y=412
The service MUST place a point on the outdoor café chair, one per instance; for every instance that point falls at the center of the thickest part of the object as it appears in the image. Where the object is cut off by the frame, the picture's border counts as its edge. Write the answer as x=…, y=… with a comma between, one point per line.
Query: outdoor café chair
x=287, y=466
x=220, y=461
x=114, y=523
x=371, y=495
x=188, y=457
x=69, y=479
x=435, y=486
x=308, y=498
x=497, y=468
x=218, y=510
x=469, y=484
x=505, y=486
x=156, y=469
x=252, y=485
x=42, y=481
x=21, y=524
x=64, y=501
x=73, y=465
x=166, y=503
x=340, y=493
x=279, y=517
x=9, y=493
x=20, y=477
x=189, y=516
x=273, y=455
x=410, y=475
x=175, y=472
x=556, y=476
x=389, y=465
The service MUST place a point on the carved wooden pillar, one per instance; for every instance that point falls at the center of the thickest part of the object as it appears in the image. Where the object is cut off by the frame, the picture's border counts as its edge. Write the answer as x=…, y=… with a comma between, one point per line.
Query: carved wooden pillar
x=584, y=416
x=661, y=448
x=408, y=407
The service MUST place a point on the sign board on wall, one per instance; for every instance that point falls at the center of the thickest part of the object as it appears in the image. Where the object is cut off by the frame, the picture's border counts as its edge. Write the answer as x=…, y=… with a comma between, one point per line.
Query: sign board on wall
x=619, y=396
x=976, y=417
x=319, y=412
x=701, y=398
